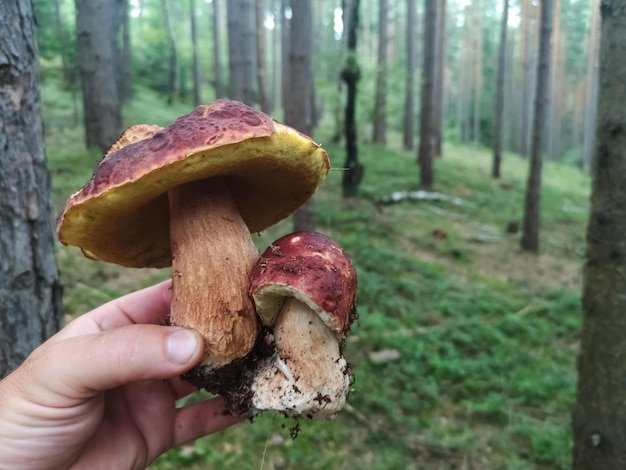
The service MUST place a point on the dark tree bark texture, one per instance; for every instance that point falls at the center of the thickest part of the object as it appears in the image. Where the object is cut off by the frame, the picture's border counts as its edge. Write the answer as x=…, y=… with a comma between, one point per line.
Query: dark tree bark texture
x=299, y=104
x=125, y=67
x=599, y=417
x=30, y=310
x=499, y=104
x=351, y=73
x=425, y=151
x=217, y=56
x=530, y=234
x=96, y=33
x=438, y=78
x=242, y=50
x=379, y=135
x=195, y=62
x=259, y=14
x=408, y=123
x=173, y=75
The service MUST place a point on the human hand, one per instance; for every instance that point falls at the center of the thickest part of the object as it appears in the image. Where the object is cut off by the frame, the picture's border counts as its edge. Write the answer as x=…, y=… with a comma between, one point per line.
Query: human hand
x=102, y=392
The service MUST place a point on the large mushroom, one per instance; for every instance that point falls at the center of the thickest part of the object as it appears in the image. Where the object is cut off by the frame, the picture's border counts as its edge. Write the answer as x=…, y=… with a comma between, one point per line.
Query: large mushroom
x=188, y=196
x=304, y=288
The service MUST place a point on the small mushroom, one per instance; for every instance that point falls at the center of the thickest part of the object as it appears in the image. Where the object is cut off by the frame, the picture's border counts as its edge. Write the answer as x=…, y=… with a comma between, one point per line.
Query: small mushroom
x=304, y=287
x=188, y=196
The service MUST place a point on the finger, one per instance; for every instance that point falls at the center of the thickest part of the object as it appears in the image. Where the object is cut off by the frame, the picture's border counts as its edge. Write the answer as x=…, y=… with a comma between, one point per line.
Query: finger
x=147, y=306
x=182, y=388
x=88, y=364
x=202, y=419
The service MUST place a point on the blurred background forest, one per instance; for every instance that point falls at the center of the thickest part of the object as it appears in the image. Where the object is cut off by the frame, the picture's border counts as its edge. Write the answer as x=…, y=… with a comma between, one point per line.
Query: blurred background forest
x=434, y=115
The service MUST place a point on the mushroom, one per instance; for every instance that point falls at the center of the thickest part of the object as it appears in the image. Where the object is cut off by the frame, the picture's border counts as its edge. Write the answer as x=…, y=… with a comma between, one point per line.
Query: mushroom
x=188, y=196
x=304, y=287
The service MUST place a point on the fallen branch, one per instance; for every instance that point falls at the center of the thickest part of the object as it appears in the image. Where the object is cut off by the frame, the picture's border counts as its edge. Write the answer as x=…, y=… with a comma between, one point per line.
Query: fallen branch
x=400, y=196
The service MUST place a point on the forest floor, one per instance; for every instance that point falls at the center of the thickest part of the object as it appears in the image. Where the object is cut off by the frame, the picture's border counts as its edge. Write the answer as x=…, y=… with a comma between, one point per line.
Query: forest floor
x=464, y=352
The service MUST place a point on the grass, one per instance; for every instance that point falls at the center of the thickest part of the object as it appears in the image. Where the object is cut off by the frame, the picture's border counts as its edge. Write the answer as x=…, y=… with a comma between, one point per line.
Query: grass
x=464, y=353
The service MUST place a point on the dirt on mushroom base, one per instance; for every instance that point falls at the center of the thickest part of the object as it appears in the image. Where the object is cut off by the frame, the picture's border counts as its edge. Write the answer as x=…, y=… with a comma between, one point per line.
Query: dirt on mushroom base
x=234, y=381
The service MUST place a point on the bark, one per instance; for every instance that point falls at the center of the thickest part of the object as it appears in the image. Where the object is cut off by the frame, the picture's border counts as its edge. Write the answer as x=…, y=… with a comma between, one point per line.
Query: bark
x=599, y=417
x=173, y=80
x=284, y=51
x=438, y=78
x=275, y=61
x=241, y=50
x=466, y=80
x=351, y=74
x=195, y=63
x=425, y=152
x=61, y=35
x=554, y=125
x=591, y=92
x=217, y=55
x=477, y=68
x=31, y=307
x=499, y=104
x=408, y=127
x=530, y=235
x=299, y=105
x=380, y=127
x=96, y=33
x=529, y=70
x=124, y=67
x=260, y=52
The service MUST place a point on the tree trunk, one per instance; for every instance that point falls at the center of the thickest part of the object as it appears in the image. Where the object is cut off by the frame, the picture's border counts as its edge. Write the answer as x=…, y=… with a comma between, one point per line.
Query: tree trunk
x=499, y=105
x=529, y=71
x=31, y=307
x=195, y=63
x=241, y=50
x=298, y=107
x=351, y=73
x=408, y=127
x=530, y=235
x=217, y=55
x=466, y=80
x=425, y=152
x=591, y=92
x=380, y=105
x=478, y=69
x=438, y=78
x=61, y=36
x=260, y=53
x=557, y=65
x=96, y=33
x=284, y=52
x=599, y=417
x=173, y=81
x=124, y=68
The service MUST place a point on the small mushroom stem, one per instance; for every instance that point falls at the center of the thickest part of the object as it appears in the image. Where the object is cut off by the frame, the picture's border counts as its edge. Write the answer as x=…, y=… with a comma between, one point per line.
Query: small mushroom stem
x=308, y=376
x=212, y=256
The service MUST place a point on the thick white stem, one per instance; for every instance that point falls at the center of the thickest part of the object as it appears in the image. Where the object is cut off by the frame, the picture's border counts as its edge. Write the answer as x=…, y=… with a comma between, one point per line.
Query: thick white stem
x=308, y=376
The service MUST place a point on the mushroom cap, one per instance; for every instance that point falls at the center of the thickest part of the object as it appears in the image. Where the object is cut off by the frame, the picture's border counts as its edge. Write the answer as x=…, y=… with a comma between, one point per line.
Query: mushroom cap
x=314, y=269
x=122, y=214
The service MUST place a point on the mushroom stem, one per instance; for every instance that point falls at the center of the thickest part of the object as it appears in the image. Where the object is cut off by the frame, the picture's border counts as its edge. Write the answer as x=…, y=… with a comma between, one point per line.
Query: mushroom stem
x=308, y=376
x=212, y=256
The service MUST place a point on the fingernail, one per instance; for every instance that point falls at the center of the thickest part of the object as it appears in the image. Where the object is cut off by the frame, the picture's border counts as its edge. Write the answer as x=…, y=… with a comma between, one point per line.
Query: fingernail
x=181, y=345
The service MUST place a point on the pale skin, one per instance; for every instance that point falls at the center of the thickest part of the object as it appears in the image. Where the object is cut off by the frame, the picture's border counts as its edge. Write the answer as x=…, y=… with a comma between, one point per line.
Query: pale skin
x=102, y=392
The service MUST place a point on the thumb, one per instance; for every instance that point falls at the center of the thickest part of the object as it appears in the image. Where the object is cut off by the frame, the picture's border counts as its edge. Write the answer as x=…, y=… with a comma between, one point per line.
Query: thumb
x=85, y=365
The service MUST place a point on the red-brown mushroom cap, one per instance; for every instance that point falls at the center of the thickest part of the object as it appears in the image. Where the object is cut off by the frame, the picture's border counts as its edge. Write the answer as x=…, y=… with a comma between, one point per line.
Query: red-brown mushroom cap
x=311, y=267
x=122, y=215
